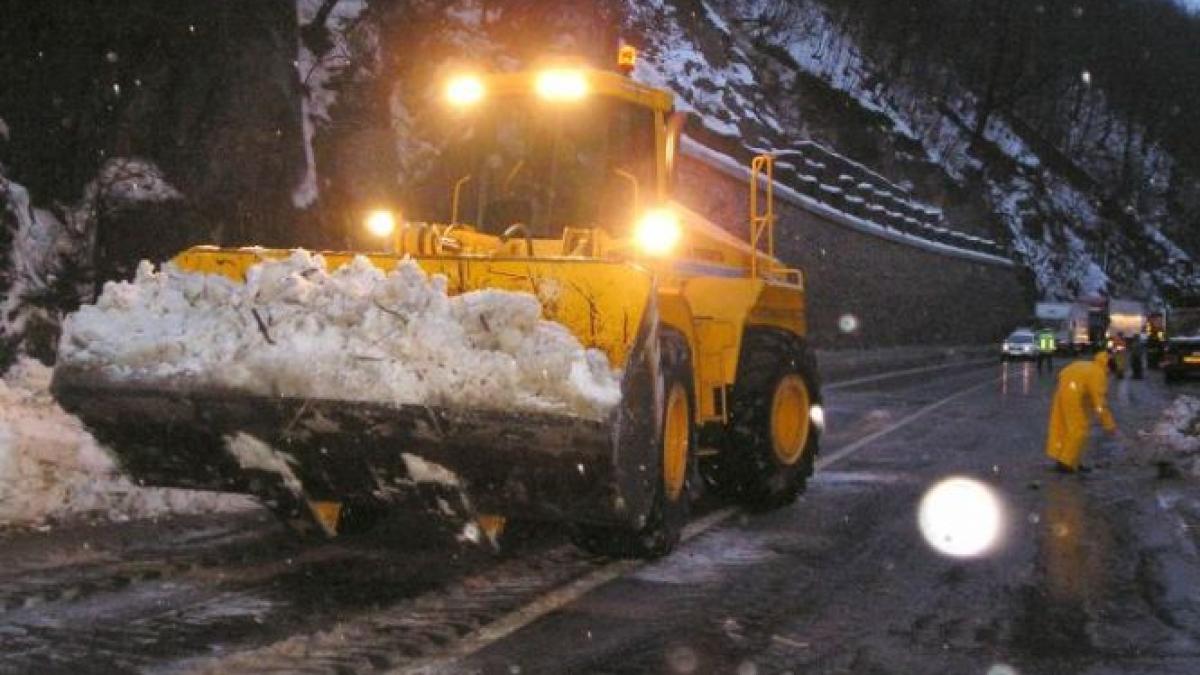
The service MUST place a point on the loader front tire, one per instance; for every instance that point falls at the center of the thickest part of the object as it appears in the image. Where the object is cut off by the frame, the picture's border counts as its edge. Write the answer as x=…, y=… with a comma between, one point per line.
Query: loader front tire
x=661, y=531
x=769, y=447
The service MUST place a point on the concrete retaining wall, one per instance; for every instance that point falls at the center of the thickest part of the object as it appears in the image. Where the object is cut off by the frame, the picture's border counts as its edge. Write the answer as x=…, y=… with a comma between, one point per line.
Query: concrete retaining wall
x=897, y=292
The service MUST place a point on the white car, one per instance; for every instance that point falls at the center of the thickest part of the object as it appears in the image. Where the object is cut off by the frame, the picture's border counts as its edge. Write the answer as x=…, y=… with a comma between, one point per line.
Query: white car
x=1019, y=345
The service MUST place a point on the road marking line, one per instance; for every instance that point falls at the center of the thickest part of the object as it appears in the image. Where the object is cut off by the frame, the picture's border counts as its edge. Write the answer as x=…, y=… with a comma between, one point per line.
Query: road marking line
x=564, y=595
x=796, y=644
x=834, y=386
x=519, y=618
x=555, y=599
x=861, y=443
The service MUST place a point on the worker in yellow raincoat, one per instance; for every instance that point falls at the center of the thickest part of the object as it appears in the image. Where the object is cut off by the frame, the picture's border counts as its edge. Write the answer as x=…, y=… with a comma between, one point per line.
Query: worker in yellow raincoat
x=1082, y=392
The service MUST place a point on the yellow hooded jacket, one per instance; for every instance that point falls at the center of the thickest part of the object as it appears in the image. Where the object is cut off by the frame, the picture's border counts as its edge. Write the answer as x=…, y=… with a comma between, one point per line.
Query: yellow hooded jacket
x=1082, y=387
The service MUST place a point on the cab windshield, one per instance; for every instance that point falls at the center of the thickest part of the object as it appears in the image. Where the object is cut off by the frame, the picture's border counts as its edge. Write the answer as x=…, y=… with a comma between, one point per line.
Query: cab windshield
x=546, y=166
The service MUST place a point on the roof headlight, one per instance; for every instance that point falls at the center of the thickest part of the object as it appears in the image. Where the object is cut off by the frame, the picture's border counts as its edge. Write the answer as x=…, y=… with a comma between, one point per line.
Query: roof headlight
x=464, y=90
x=562, y=85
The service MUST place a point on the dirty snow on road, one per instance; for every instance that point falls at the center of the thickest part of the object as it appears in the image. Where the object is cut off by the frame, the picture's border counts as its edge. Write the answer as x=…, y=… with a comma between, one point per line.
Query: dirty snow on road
x=297, y=328
x=51, y=468
x=1176, y=436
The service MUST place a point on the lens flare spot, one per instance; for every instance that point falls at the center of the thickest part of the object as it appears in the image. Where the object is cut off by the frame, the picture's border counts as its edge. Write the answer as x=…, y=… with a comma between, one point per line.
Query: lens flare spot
x=960, y=517
x=848, y=323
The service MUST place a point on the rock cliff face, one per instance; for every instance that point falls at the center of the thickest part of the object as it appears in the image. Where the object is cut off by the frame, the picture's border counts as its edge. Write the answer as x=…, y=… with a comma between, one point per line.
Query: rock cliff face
x=206, y=90
x=204, y=93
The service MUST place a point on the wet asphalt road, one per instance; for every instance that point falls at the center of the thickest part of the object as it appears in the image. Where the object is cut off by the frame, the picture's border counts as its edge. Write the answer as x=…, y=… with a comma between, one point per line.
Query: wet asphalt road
x=1094, y=574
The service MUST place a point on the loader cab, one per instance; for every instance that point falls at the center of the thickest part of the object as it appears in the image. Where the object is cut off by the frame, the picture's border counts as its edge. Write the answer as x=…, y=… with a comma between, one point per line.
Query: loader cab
x=519, y=152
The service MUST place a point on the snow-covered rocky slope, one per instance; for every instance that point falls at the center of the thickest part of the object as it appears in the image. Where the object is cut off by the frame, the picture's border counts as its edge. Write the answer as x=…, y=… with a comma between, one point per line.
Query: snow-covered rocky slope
x=740, y=81
x=51, y=250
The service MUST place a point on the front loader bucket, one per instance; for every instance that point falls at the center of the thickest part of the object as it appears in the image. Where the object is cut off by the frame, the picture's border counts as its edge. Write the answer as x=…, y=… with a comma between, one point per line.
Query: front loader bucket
x=296, y=451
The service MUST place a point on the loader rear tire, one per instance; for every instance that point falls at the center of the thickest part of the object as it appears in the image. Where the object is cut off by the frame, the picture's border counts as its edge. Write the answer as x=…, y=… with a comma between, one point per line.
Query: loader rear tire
x=769, y=447
x=663, y=527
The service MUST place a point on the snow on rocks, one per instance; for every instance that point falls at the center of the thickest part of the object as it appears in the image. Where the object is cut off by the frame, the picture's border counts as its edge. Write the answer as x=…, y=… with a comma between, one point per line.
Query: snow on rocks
x=317, y=73
x=52, y=469
x=297, y=328
x=52, y=249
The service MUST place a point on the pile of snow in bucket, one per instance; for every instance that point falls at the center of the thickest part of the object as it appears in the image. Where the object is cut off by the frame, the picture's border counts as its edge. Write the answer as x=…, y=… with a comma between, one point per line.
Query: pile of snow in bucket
x=52, y=469
x=298, y=329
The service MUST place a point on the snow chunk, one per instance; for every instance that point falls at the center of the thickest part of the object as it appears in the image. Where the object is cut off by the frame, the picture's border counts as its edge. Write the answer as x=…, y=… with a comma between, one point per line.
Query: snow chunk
x=298, y=329
x=423, y=471
x=252, y=453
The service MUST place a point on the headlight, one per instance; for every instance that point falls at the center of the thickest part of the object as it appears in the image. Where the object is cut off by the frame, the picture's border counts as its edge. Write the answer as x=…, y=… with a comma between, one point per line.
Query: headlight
x=562, y=85
x=657, y=232
x=464, y=90
x=381, y=223
x=817, y=415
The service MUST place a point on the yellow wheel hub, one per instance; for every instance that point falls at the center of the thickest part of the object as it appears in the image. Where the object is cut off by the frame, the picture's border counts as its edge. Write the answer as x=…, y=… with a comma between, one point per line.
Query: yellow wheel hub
x=789, y=419
x=676, y=438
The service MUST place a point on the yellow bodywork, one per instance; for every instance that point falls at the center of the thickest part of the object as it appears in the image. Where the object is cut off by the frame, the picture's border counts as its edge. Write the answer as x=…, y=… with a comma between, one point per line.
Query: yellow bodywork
x=597, y=283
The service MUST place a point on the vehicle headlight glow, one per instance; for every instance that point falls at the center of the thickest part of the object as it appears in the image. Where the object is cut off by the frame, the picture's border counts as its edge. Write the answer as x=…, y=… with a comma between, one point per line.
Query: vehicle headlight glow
x=381, y=223
x=562, y=85
x=658, y=232
x=817, y=415
x=464, y=90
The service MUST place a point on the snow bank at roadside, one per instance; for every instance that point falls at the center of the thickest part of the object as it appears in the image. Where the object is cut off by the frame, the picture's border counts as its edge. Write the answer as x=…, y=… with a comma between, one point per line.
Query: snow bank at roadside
x=1176, y=435
x=51, y=468
x=295, y=328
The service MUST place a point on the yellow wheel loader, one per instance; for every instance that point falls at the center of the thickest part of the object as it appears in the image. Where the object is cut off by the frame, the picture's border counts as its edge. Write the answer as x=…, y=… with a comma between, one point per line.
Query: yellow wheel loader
x=558, y=183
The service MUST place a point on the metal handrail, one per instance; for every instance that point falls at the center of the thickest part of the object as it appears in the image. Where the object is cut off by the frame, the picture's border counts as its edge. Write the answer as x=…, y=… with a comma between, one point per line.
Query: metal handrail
x=764, y=163
x=454, y=199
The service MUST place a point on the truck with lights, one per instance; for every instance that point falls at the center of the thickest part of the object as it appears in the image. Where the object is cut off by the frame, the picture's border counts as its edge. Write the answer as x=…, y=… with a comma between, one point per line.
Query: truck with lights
x=562, y=178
